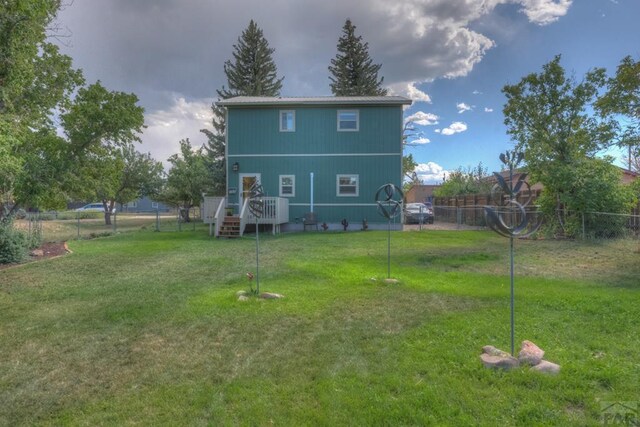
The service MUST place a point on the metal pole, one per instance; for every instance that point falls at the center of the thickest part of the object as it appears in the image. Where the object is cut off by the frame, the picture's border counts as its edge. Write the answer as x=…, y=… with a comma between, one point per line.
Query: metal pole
x=511, y=250
x=257, y=257
x=78, y=217
x=115, y=226
x=389, y=249
x=512, y=304
x=158, y=219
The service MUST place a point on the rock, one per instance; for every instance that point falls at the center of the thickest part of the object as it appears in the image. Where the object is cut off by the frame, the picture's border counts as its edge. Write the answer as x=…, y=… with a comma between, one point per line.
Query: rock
x=492, y=351
x=546, y=367
x=499, y=362
x=243, y=298
x=240, y=293
x=391, y=281
x=530, y=354
x=271, y=295
x=37, y=252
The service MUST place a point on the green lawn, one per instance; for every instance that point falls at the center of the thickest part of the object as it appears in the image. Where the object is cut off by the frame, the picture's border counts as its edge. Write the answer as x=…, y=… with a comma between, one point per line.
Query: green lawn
x=144, y=328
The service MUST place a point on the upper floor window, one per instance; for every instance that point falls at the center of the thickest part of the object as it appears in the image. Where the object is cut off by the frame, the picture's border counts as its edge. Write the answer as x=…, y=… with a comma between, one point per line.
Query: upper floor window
x=347, y=185
x=287, y=185
x=348, y=120
x=287, y=121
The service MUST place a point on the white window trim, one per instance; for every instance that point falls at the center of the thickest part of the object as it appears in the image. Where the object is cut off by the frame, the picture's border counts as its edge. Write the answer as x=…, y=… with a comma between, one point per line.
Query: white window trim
x=293, y=113
x=349, y=175
x=293, y=185
x=357, y=112
x=154, y=205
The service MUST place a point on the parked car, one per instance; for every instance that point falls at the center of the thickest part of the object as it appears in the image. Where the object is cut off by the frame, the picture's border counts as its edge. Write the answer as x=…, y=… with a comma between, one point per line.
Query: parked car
x=418, y=213
x=94, y=207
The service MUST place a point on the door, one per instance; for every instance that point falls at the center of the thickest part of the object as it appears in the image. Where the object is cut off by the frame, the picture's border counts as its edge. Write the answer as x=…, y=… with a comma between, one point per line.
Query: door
x=246, y=181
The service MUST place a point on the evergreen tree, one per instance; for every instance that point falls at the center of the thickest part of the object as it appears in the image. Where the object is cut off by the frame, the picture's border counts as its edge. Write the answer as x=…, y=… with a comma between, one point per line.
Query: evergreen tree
x=252, y=72
x=352, y=71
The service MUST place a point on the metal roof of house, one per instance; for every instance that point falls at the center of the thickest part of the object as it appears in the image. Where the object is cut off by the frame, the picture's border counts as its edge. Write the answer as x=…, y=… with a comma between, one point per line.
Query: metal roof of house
x=243, y=101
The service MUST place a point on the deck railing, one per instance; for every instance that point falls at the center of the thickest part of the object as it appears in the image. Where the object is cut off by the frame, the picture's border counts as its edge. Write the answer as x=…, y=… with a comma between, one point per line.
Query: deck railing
x=275, y=212
x=219, y=215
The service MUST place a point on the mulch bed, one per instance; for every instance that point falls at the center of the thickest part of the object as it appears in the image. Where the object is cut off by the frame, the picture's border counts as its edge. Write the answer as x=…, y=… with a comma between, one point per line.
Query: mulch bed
x=49, y=250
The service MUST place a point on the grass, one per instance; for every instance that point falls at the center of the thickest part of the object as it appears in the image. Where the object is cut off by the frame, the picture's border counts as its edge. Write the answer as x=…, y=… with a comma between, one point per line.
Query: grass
x=144, y=328
x=91, y=224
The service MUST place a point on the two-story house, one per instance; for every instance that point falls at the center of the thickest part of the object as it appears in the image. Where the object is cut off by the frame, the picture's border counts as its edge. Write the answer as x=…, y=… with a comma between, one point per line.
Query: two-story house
x=326, y=155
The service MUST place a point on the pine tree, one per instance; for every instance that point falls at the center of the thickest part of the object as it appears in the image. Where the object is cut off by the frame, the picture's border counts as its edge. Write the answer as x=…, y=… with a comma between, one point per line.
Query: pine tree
x=352, y=71
x=252, y=72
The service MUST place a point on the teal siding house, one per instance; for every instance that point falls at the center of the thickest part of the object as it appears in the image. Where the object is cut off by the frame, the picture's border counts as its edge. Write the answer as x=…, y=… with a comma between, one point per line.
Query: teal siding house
x=321, y=155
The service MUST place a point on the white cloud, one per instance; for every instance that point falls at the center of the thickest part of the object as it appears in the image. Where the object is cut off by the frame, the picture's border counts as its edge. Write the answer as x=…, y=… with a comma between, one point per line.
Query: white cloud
x=165, y=128
x=423, y=119
x=410, y=91
x=438, y=130
x=476, y=92
x=431, y=173
x=544, y=12
x=488, y=110
x=420, y=141
x=462, y=107
x=455, y=127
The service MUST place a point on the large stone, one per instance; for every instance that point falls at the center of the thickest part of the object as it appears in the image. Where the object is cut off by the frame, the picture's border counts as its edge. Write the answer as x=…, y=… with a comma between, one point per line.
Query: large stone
x=492, y=351
x=243, y=298
x=391, y=281
x=499, y=362
x=530, y=354
x=271, y=295
x=37, y=252
x=546, y=367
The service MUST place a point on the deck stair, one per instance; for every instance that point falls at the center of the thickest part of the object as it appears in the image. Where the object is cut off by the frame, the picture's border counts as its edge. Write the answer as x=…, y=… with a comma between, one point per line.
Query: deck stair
x=230, y=227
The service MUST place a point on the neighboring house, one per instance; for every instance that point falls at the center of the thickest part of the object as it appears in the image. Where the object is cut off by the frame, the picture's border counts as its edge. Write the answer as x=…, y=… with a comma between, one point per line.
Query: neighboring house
x=144, y=204
x=326, y=155
x=420, y=193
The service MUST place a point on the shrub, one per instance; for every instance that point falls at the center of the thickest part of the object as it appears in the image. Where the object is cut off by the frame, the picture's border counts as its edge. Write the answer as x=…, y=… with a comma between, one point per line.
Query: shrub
x=13, y=243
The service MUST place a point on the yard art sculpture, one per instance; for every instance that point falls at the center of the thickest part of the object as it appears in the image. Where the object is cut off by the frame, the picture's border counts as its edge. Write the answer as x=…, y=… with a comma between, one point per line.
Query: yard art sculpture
x=513, y=211
x=389, y=199
x=256, y=207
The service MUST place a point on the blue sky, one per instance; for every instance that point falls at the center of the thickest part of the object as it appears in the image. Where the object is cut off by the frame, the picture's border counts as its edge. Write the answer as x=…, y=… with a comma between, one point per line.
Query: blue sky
x=451, y=56
x=592, y=34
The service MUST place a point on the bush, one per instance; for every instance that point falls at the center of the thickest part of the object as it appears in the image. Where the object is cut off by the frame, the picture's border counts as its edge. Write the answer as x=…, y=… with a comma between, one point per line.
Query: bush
x=13, y=243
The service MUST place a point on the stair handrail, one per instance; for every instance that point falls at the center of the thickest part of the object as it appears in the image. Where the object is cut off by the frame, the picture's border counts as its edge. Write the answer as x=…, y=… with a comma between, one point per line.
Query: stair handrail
x=244, y=215
x=219, y=216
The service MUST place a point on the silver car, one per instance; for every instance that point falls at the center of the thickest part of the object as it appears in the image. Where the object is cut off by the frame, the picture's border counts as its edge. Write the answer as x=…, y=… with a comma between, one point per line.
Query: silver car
x=418, y=213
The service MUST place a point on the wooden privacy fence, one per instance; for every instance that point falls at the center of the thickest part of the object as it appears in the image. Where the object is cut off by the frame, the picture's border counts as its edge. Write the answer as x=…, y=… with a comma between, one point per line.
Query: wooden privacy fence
x=469, y=209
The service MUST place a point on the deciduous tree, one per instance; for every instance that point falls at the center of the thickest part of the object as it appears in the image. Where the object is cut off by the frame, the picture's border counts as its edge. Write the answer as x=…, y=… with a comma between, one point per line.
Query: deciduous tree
x=549, y=116
x=187, y=180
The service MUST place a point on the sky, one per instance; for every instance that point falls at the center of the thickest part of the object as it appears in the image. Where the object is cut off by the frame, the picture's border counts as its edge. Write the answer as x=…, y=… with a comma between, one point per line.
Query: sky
x=451, y=57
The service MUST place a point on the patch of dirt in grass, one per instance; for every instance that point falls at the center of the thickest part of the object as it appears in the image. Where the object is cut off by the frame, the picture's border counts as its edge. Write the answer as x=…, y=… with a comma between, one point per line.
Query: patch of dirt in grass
x=48, y=250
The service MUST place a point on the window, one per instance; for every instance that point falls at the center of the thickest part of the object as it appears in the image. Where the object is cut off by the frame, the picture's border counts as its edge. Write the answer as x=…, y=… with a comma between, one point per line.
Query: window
x=348, y=120
x=347, y=185
x=287, y=121
x=287, y=185
x=154, y=205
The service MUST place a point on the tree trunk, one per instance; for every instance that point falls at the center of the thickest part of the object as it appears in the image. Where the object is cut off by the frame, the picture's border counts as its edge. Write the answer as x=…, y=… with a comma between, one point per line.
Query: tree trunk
x=107, y=217
x=184, y=213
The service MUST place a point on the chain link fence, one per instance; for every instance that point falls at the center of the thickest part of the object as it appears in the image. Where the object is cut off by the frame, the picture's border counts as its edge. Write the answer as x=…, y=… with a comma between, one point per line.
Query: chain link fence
x=590, y=225
x=69, y=225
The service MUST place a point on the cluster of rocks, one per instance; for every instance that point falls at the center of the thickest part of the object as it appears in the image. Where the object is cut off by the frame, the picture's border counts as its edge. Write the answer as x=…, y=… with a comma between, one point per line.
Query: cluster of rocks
x=245, y=295
x=529, y=355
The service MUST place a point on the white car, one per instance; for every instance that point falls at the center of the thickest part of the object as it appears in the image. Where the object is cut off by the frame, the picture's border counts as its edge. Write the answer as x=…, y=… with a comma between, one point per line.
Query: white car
x=94, y=207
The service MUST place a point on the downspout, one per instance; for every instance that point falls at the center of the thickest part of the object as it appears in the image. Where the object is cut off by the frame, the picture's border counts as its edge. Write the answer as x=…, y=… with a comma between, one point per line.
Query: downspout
x=311, y=183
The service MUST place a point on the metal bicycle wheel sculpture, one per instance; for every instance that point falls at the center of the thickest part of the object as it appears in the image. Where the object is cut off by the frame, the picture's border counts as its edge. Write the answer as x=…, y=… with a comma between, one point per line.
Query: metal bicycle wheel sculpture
x=256, y=207
x=518, y=223
x=389, y=199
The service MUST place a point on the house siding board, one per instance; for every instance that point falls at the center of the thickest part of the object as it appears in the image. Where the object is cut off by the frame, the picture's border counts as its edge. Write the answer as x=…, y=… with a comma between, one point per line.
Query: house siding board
x=257, y=132
x=374, y=153
x=373, y=171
